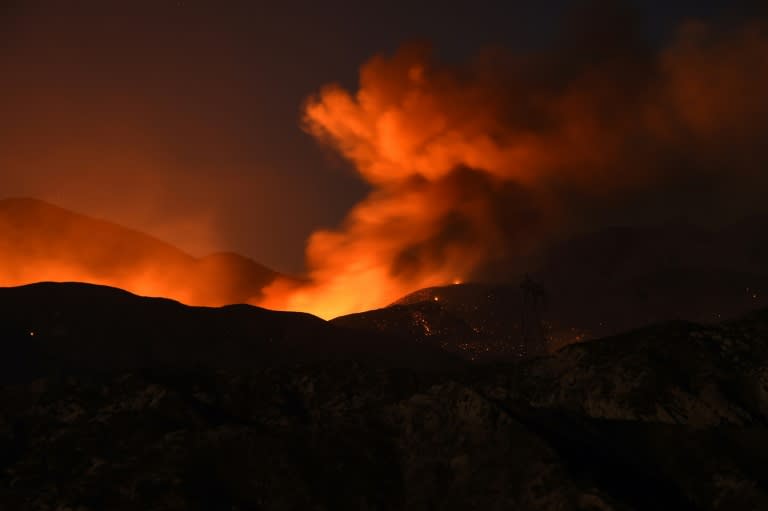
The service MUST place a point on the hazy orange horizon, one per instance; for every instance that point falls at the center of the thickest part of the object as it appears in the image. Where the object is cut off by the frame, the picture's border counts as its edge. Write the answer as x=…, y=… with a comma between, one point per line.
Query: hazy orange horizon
x=471, y=165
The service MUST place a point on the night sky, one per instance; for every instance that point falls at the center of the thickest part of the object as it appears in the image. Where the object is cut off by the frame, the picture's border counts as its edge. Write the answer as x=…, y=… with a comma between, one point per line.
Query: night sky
x=183, y=118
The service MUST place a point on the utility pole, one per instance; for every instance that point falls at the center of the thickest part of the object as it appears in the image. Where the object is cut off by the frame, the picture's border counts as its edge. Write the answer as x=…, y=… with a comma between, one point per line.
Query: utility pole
x=532, y=328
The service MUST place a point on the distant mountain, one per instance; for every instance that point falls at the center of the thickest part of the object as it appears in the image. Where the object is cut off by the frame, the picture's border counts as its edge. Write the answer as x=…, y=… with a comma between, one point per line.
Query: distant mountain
x=616, y=255
x=41, y=242
x=598, y=284
x=49, y=328
x=621, y=278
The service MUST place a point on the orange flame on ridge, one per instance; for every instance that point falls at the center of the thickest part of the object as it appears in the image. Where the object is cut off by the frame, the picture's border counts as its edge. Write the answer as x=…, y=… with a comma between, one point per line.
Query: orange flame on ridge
x=469, y=166
x=478, y=164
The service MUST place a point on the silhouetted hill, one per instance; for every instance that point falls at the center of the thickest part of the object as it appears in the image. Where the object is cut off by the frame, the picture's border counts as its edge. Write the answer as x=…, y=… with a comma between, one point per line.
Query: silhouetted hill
x=49, y=327
x=598, y=284
x=41, y=242
x=670, y=416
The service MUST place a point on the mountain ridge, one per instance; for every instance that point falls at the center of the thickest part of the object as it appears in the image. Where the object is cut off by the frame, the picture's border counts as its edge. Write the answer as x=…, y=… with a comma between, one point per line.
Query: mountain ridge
x=43, y=242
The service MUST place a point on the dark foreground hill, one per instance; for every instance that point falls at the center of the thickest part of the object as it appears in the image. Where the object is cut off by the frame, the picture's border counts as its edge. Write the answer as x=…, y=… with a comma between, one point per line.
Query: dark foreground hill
x=52, y=327
x=42, y=242
x=672, y=416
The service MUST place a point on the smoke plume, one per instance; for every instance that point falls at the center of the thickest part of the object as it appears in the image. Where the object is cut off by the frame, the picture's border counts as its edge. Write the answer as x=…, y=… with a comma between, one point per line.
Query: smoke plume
x=479, y=164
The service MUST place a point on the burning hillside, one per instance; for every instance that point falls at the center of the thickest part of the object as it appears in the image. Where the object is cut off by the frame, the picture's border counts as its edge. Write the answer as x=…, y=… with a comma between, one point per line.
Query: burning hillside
x=478, y=164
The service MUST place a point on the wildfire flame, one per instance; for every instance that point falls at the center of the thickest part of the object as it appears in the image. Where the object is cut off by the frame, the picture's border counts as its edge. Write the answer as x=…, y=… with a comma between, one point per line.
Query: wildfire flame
x=471, y=166
x=475, y=164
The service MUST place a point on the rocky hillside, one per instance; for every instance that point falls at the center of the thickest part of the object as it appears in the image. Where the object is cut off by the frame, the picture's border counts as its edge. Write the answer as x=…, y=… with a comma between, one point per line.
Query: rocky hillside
x=673, y=416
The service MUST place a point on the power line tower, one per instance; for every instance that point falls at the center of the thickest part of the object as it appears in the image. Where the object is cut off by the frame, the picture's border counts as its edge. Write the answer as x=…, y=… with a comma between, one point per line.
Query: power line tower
x=533, y=331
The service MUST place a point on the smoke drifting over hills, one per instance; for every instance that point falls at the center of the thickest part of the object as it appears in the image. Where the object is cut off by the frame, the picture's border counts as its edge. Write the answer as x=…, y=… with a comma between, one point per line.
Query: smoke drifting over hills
x=473, y=168
x=476, y=165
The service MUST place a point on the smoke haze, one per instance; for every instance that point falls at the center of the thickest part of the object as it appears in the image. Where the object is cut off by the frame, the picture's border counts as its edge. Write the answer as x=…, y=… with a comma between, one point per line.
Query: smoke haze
x=480, y=164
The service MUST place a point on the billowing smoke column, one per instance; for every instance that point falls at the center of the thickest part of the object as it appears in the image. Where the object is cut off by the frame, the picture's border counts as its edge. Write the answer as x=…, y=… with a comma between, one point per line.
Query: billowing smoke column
x=478, y=164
